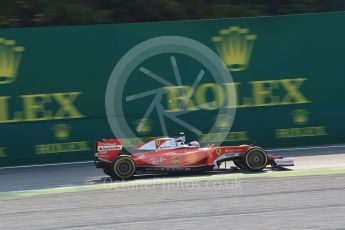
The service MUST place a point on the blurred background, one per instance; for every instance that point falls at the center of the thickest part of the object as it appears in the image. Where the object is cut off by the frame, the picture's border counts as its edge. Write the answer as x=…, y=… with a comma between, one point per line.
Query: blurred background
x=28, y=13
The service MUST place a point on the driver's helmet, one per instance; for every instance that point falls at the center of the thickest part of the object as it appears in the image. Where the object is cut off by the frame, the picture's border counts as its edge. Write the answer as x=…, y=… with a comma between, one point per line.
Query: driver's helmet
x=180, y=139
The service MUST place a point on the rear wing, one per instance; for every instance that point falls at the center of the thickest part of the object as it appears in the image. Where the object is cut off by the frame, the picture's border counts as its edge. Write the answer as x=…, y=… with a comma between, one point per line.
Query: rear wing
x=108, y=149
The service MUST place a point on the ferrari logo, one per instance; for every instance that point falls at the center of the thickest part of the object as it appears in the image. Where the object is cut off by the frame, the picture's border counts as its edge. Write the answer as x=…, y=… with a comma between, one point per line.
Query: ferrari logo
x=158, y=143
x=218, y=151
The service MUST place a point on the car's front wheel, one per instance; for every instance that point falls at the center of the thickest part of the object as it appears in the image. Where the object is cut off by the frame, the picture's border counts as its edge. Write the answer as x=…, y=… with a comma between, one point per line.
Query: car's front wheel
x=123, y=167
x=256, y=159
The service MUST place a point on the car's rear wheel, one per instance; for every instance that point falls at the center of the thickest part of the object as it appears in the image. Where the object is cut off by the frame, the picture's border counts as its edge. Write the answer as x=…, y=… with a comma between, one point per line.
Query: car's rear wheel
x=123, y=167
x=240, y=163
x=256, y=159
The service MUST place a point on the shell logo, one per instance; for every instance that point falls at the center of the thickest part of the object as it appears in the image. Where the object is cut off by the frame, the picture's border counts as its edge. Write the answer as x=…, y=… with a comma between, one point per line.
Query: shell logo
x=192, y=158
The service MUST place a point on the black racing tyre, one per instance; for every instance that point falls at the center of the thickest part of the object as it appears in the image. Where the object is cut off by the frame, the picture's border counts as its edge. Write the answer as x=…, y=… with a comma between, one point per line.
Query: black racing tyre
x=239, y=163
x=256, y=159
x=123, y=167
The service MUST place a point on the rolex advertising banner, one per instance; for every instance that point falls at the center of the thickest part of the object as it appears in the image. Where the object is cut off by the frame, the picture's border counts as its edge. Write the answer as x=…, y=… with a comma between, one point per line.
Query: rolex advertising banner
x=269, y=81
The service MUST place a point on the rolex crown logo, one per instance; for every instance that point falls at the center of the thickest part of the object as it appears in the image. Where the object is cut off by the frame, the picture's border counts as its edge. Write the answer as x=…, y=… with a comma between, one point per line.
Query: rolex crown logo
x=143, y=126
x=61, y=131
x=10, y=56
x=223, y=121
x=234, y=45
x=300, y=116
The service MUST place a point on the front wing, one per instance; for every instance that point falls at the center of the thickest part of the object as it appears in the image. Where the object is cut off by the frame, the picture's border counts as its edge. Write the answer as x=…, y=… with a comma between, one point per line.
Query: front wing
x=284, y=162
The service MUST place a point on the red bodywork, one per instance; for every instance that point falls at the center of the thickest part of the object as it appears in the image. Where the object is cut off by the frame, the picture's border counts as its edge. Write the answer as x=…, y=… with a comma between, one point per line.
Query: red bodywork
x=184, y=158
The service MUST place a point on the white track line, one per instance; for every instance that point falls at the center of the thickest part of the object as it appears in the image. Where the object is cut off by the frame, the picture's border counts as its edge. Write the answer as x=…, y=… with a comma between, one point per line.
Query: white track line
x=44, y=165
x=310, y=148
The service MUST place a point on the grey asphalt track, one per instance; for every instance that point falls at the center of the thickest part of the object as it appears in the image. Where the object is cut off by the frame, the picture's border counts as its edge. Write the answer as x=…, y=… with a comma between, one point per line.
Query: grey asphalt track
x=305, y=202
x=313, y=202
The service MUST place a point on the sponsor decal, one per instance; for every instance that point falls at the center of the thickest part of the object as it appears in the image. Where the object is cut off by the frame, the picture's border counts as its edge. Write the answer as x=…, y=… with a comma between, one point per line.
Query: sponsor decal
x=10, y=57
x=63, y=147
x=218, y=151
x=233, y=150
x=301, y=118
x=192, y=158
x=40, y=107
x=103, y=155
x=61, y=133
x=234, y=45
x=301, y=132
x=155, y=161
x=284, y=161
x=143, y=125
x=263, y=93
x=223, y=121
x=110, y=147
x=175, y=160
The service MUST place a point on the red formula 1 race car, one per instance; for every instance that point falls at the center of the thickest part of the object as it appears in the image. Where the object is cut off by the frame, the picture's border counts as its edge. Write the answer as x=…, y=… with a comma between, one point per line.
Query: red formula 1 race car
x=166, y=154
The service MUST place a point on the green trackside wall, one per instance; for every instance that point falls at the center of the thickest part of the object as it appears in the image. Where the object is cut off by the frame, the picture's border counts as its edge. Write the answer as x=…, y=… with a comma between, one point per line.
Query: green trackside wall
x=289, y=72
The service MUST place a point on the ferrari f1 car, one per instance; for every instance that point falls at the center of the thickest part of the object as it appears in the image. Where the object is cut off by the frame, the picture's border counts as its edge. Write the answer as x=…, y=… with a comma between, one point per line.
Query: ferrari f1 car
x=172, y=155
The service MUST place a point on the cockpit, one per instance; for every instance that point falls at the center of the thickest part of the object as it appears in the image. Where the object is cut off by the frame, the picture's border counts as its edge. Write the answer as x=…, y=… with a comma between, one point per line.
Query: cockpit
x=180, y=140
x=168, y=143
